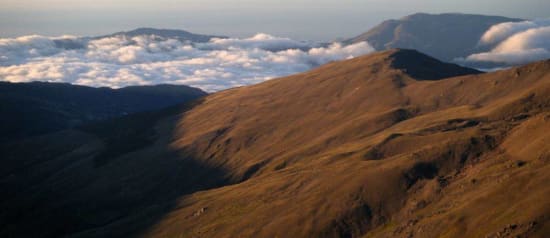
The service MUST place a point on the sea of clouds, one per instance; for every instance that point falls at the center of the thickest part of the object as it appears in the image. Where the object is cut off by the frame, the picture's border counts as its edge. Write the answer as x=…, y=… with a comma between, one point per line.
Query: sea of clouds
x=143, y=60
x=219, y=64
x=514, y=43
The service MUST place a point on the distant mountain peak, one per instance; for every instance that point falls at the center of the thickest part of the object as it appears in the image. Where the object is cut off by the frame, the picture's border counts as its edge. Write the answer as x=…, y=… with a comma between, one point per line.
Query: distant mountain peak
x=423, y=67
x=445, y=36
x=150, y=30
x=457, y=14
x=166, y=33
x=413, y=63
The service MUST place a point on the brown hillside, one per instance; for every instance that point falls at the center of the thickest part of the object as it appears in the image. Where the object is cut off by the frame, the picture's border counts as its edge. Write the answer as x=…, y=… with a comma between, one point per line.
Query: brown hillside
x=369, y=147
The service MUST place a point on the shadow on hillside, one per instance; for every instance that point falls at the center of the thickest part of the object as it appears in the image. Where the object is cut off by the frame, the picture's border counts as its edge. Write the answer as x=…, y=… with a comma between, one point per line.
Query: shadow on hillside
x=118, y=186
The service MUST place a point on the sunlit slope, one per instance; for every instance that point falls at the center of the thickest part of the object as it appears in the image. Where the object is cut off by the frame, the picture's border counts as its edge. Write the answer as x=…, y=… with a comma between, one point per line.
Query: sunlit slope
x=361, y=146
x=391, y=144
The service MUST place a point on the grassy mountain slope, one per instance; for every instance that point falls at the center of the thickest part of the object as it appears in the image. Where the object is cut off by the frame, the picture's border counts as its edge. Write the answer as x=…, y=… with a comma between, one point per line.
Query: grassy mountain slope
x=359, y=148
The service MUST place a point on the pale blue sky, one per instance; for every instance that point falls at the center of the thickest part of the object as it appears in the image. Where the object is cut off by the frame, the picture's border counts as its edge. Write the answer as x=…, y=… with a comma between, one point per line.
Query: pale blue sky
x=299, y=19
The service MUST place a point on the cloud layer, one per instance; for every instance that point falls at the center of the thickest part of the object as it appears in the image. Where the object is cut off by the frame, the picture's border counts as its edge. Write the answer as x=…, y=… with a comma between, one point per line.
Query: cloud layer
x=515, y=43
x=121, y=61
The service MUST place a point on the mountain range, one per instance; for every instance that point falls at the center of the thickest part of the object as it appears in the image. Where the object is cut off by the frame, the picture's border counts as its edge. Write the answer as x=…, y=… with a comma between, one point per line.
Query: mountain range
x=444, y=36
x=450, y=37
x=166, y=33
x=391, y=144
x=181, y=35
x=30, y=109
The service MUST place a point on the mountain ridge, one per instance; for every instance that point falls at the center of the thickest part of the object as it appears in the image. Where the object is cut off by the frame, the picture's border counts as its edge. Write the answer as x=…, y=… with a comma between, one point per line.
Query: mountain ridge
x=36, y=108
x=445, y=36
x=354, y=148
x=181, y=35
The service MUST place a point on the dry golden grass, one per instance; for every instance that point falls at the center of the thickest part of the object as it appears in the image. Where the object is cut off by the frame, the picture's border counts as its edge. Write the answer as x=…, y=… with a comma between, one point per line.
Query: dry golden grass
x=353, y=146
x=357, y=148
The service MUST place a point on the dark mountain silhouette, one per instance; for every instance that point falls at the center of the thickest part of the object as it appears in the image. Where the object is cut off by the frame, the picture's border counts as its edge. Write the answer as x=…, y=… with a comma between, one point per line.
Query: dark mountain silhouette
x=423, y=67
x=444, y=36
x=35, y=108
x=355, y=148
x=166, y=33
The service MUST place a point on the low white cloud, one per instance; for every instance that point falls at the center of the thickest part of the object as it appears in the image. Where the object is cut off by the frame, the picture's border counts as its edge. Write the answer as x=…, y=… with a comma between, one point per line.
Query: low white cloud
x=502, y=31
x=261, y=41
x=14, y=49
x=121, y=61
x=516, y=43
